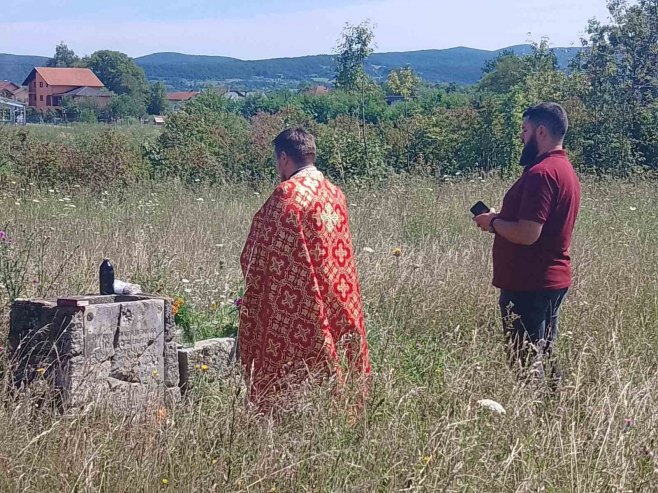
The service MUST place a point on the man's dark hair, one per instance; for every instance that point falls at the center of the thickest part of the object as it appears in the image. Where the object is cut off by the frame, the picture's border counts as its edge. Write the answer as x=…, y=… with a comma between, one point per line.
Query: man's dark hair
x=550, y=115
x=298, y=144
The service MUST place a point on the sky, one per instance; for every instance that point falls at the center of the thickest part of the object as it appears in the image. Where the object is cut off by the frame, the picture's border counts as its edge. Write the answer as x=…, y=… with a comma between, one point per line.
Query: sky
x=257, y=29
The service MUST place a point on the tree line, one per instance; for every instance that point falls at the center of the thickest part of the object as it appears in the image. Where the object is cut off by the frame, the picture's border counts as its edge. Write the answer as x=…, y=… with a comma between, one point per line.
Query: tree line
x=367, y=129
x=610, y=92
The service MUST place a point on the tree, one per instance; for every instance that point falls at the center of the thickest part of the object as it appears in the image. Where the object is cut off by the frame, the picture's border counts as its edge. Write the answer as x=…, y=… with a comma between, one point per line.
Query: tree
x=304, y=85
x=64, y=57
x=352, y=49
x=619, y=64
x=210, y=100
x=504, y=72
x=158, y=103
x=119, y=73
x=404, y=82
x=86, y=111
x=127, y=106
x=542, y=59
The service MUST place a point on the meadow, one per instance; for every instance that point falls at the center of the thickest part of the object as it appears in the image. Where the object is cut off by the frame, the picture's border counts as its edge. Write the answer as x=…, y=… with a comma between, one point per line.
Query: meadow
x=435, y=340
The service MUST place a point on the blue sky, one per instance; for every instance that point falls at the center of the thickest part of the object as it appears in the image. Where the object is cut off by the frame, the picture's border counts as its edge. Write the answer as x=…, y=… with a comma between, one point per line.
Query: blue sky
x=252, y=29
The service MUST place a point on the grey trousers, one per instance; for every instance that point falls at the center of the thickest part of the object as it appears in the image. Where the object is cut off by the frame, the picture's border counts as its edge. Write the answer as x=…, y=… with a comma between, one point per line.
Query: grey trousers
x=530, y=321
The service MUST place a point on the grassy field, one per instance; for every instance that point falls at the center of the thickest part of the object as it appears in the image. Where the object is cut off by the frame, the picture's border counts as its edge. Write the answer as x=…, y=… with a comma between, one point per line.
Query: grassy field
x=436, y=348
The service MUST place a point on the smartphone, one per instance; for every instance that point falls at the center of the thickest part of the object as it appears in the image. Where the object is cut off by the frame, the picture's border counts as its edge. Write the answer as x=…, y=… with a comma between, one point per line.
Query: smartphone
x=479, y=208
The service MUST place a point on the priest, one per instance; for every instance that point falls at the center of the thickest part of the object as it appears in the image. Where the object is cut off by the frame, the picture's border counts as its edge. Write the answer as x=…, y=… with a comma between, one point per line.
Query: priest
x=301, y=318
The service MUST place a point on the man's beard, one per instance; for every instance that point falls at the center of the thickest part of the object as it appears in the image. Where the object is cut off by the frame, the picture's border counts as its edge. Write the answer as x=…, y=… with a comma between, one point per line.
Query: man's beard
x=530, y=152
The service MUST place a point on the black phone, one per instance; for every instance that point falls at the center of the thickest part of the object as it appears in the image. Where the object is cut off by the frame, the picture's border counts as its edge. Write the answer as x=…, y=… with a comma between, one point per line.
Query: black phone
x=479, y=208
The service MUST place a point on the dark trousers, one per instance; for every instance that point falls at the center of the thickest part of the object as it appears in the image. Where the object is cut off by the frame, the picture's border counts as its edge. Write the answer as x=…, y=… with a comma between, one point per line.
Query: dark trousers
x=530, y=321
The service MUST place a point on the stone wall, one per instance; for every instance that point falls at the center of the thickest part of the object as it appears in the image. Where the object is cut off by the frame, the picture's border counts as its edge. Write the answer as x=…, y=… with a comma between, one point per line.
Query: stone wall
x=213, y=359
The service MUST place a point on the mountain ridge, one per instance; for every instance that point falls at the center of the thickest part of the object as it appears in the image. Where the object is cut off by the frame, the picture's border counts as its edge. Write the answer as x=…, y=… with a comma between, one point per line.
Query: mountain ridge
x=460, y=65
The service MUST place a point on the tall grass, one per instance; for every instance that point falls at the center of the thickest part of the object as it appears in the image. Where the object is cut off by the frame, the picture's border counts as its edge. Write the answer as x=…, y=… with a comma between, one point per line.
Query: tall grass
x=436, y=349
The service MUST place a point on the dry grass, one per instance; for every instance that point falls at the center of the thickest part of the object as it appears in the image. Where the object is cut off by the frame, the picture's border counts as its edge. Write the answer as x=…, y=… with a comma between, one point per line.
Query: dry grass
x=435, y=344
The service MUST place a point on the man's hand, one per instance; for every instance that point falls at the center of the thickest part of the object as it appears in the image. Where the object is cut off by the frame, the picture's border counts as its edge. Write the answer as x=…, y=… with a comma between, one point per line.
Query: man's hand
x=520, y=232
x=483, y=221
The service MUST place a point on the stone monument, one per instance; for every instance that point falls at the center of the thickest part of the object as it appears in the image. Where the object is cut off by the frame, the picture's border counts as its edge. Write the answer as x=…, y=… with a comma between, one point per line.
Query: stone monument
x=115, y=350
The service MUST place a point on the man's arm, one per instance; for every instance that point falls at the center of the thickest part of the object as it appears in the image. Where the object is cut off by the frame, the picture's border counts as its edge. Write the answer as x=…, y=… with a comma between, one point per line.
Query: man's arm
x=522, y=232
x=539, y=194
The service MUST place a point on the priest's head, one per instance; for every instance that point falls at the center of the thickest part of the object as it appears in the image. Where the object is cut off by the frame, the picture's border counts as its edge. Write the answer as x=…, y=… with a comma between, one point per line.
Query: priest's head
x=294, y=149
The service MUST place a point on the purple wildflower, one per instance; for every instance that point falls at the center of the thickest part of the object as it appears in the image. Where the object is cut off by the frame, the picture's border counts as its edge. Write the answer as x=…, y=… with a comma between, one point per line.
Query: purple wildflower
x=238, y=302
x=4, y=238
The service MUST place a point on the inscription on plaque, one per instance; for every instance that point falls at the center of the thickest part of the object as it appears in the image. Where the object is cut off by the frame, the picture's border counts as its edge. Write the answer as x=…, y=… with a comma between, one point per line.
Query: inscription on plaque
x=130, y=339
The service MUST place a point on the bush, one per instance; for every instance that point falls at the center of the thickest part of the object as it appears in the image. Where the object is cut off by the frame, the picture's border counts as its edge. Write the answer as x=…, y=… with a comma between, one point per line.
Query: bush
x=95, y=160
x=205, y=146
x=446, y=141
x=345, y=155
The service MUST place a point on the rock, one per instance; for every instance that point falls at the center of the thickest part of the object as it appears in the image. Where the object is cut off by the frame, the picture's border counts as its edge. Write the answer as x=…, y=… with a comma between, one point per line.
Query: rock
x=171, y=371
x=492, y=406
x=212, y=358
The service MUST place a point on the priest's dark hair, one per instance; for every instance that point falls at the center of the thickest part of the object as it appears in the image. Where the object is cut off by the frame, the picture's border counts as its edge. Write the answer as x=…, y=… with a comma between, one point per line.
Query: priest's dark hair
x=298, y=144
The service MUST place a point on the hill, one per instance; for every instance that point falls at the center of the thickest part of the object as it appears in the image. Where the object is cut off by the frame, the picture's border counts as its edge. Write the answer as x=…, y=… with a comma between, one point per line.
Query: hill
x=16, y=67
x=459, y=65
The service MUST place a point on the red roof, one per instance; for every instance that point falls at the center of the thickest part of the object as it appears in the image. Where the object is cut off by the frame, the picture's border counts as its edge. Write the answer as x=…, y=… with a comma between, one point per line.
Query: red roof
x=10, y=86
x=181, y=96
x=93, y=92
x=56, y=76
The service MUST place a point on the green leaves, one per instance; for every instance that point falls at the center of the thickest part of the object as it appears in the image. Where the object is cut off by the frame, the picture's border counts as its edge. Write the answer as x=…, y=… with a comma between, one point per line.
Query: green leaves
x=620, y=89
x=352, y=49
x=118, y=72
x=64, y=57
x=403, y=82
x=158, y=103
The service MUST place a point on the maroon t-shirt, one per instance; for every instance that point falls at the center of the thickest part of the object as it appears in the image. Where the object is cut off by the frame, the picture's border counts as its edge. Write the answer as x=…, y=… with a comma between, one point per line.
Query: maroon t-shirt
x=547, y=193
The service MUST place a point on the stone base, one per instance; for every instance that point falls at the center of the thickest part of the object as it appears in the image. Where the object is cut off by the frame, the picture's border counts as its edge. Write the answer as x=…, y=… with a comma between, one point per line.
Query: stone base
x=212, y=358
x=118, y=350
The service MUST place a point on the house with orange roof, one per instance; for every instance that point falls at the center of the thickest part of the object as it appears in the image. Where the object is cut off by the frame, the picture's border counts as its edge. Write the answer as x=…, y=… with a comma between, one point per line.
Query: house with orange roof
x=47, y=86
x=9, y=90
x=177, y=99
x=181, y=96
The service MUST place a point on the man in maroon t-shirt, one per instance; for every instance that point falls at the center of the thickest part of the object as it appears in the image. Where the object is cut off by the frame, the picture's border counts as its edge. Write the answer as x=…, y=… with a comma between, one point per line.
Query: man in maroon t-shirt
x=531, y=262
